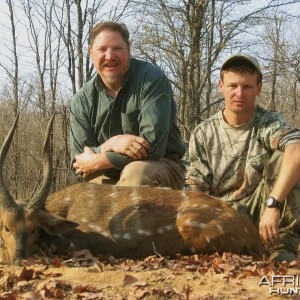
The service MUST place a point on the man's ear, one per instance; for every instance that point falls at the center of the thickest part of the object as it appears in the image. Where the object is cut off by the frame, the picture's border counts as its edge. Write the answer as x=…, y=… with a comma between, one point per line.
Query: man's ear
x=221, y=85
x=259, y=86
x=55, y=225
x=90, y=50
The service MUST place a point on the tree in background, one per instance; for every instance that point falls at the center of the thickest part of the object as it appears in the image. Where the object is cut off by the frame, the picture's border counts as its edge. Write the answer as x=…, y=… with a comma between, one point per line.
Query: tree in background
x=279, y=48
x=190, y=38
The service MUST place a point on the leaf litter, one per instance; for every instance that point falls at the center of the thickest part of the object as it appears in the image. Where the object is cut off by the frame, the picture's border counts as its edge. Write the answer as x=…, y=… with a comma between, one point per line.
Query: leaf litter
x=39, y=278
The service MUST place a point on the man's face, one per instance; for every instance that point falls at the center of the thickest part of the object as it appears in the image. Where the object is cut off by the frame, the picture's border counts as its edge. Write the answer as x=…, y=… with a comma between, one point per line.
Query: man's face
x=240, y=90
x=110, y=55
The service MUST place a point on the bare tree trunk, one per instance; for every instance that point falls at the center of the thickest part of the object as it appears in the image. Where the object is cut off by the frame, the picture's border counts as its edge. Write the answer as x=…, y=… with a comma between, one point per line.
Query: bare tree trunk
x=81, y=23
x=39, y=47
x=70, y=49
x=276, y=43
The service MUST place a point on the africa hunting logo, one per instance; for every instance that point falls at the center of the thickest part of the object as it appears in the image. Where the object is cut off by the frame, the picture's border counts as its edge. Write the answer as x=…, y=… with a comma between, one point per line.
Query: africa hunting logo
x=281, y=285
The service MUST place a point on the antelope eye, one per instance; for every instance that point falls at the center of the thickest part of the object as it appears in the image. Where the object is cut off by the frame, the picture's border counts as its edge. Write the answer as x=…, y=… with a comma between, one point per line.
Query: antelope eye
x=6, y=229
x=33, y=231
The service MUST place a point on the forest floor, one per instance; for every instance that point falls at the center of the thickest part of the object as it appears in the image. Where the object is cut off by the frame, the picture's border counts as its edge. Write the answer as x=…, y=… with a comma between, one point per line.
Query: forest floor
x=201, y=277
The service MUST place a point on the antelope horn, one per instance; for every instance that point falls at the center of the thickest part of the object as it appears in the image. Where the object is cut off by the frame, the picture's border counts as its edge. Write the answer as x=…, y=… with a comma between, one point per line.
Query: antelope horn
x=38, y=200
x=6, y=199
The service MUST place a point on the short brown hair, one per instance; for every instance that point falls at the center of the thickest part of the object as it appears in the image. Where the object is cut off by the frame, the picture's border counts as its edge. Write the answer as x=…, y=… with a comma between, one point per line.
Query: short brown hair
x=240, y=65
x=110, y=25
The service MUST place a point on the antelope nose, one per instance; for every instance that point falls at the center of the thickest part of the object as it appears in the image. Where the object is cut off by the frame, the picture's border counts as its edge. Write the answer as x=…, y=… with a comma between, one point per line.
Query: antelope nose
x=20, y=255
x=18, y=262
x=20, y=248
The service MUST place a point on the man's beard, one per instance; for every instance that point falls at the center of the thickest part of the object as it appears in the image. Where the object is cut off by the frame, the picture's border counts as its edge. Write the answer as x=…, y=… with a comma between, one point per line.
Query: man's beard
x=112, y=79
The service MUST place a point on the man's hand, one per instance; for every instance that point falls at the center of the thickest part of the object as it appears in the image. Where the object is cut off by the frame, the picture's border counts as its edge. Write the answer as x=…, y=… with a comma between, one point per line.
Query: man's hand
x=86, y=162
x=134, y=146
x=268, y=226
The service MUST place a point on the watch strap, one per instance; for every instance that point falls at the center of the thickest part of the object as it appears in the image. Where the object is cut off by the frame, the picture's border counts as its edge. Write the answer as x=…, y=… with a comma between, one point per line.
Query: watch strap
x=276, y=203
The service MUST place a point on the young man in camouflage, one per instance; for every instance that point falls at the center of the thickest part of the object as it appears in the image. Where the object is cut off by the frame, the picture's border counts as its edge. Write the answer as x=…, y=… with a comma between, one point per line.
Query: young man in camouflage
x=250, y=158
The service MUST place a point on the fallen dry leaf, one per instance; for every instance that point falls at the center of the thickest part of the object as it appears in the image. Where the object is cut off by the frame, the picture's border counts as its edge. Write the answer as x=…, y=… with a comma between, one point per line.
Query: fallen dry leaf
x=32, y=296
x=8, y=296
x=128, y=279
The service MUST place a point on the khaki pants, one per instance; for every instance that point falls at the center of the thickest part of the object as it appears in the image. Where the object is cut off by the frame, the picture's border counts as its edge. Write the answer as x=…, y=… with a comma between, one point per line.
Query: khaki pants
x=164, y=172
x=254, y=206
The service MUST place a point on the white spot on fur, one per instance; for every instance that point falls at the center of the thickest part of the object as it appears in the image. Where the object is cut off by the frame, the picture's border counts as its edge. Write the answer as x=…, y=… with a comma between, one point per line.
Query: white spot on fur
x=117, y=236
x=136, y=200
x=126, y=236
x=144, y=232
x=220, y=228
x=134, y=195
x=207, y=239
x=164, y=229
x=196, y=224
x=67, y=199
x=114, y=193
x=227, y=215
x=160, y=230
x=113, y=198
x=169, y=227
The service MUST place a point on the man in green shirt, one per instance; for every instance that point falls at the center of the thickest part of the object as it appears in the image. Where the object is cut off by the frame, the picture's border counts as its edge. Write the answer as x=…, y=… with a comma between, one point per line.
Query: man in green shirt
x=250, y=158
x=123, y=121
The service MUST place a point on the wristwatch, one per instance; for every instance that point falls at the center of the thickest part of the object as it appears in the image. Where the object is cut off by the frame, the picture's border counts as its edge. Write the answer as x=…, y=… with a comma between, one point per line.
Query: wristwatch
x=272, y=202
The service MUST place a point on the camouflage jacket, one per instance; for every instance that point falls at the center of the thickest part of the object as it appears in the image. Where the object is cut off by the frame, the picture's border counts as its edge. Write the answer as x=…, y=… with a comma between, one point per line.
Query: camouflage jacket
x=228, y=160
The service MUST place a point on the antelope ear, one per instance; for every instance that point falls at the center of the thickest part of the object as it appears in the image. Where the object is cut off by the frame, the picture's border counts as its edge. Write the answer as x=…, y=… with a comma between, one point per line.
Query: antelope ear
x=55, y=225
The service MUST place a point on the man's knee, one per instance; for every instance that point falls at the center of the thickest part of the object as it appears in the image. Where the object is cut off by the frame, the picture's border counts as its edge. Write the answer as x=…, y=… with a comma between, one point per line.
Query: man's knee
x=137, y=173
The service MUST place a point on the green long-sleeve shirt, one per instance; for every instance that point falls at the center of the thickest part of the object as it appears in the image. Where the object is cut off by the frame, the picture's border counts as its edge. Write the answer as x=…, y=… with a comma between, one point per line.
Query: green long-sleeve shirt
x=144, y=107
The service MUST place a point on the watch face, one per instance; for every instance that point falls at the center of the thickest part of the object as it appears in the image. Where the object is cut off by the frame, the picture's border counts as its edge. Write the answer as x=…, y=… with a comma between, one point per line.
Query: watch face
x=270, y=202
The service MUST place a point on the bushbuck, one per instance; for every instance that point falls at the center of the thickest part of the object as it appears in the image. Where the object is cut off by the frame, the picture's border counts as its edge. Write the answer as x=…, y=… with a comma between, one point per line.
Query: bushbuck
x=131, y=222
x=139, y=221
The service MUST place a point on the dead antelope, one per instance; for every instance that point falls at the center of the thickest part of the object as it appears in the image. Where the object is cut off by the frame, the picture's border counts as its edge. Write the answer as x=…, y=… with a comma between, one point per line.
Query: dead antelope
x=128, y=222
x=138, y=221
